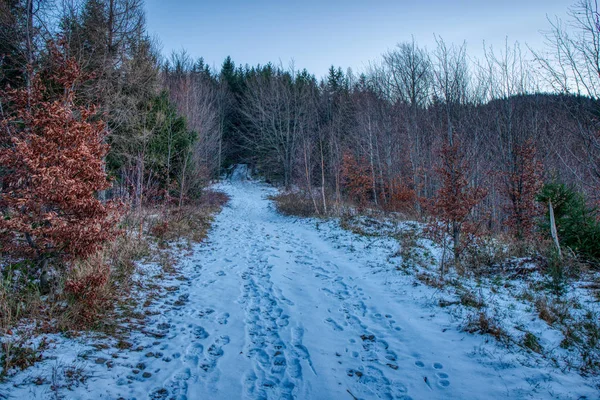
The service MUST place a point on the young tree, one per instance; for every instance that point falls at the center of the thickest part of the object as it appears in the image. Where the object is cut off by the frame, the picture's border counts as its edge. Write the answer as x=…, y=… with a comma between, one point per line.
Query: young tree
x=357, y=179
x=53, y=169
x=522, y=185
x=456, y=199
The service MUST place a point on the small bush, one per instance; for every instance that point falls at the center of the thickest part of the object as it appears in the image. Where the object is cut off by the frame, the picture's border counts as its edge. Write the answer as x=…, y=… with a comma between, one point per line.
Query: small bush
x=531, y=342
x=88, y=292
x=482, y=323
x=357, y=179
x=402, y=197
x=544, y=311
x=295, y=204
x=159, y=230
x=213, y=199
x=484, y=253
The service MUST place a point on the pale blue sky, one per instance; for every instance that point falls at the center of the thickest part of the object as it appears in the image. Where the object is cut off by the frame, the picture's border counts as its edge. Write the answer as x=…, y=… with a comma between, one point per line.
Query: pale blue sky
x=317, y=34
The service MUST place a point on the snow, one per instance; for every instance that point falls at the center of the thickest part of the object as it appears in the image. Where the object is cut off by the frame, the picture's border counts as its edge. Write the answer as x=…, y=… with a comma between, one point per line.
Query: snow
x=275, y=307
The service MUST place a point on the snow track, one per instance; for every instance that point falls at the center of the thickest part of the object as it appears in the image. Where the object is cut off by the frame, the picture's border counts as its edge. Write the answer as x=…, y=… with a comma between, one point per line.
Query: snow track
x=293, y=312
x=273, y=307
x=305, y=327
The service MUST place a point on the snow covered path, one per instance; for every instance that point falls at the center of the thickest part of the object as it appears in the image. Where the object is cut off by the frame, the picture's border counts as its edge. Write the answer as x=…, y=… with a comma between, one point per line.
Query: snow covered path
x=272, y=307
x=276, y=310
x=291, y=316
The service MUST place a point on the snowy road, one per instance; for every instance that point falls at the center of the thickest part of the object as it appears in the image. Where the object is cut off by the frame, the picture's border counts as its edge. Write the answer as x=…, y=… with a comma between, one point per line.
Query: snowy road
x=272, y=307
x=278, y=309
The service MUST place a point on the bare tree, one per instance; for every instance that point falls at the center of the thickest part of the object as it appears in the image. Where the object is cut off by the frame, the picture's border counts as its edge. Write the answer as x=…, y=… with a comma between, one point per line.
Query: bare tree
x=410, y=72
x=571, y=65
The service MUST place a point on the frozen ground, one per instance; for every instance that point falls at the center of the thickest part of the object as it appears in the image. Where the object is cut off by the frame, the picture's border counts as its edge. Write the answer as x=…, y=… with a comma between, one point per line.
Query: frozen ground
x=272, y=307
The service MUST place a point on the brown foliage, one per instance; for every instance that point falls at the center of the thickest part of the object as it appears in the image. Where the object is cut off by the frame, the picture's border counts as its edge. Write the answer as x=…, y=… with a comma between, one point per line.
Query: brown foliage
x=294, y=204
x=88, y=290
x=160, y=229
x=522, y=184
x=402, y=196
x=483, y=324
x=456, y=199
x=54, y=167
x=357, y=178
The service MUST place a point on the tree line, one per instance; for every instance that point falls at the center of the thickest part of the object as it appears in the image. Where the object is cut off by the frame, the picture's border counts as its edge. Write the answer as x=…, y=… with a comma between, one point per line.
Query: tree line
x=426, y=132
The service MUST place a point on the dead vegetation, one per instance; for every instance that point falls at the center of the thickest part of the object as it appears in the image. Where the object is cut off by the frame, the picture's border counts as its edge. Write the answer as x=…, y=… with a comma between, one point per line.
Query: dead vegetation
x=296, y=204
x=484, y=324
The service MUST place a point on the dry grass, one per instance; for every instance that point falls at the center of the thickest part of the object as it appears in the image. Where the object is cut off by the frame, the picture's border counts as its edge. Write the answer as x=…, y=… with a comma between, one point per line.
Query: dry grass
x=18, y=354
x=544, y=311
x=20, y=296
x=295, y=204
x=190, y=222
x=531, y=342
x=429, y=279
x=469, y=299
x=484, y=324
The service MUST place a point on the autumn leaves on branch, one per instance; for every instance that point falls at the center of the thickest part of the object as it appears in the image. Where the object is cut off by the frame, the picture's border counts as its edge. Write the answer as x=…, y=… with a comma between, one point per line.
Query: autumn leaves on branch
x=53, y=152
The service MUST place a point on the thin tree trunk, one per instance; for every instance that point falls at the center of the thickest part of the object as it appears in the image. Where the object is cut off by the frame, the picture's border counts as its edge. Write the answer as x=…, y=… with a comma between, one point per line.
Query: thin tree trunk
x=308, y=184
x=323, y=178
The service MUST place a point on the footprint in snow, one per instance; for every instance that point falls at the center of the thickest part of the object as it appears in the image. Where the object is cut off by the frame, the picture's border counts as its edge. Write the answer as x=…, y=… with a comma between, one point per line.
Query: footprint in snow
x=200, y=333
x=193, y=353
x=204, y=312
x=334, y=325
x=223, y=318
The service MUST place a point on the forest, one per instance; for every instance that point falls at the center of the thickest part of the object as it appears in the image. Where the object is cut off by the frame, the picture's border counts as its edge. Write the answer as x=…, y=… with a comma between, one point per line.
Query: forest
x=104, y=140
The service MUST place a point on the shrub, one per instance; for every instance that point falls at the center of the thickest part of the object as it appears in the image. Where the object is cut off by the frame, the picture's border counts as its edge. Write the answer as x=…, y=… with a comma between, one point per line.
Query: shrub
x=521, y=186
x=88, y=291
x=402, y=196
x=455, y=201
x=159, y=230
x=294, y=204
x=545, y=311
x=357, y=179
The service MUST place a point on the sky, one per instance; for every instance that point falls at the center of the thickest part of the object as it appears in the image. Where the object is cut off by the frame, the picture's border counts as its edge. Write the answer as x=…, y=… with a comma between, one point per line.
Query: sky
x=317, y=34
